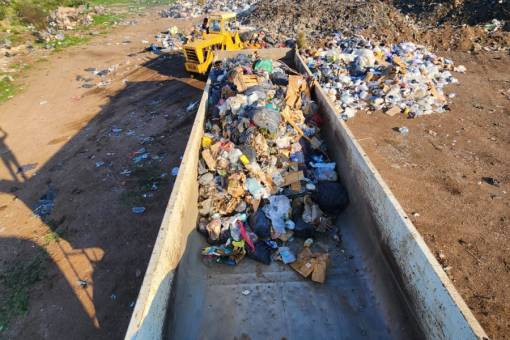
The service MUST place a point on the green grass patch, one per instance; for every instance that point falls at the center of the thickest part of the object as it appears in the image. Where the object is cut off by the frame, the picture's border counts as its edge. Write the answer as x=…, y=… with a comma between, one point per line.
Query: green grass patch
x=68, y=41
x=56, y=232
x=19, y=66
x=15, y=284
x=108, y=19
x=8, y=87
x=50, y=237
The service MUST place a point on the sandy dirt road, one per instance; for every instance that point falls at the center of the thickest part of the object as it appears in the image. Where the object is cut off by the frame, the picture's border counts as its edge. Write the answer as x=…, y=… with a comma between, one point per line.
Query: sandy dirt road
x=82, y=160
x=67, y=132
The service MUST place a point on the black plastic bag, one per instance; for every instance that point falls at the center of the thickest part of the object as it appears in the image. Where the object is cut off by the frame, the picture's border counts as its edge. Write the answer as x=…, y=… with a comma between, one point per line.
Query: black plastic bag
x=280, y=78
x=262, y=252
x=260, y=224
x=331, y=197
x=301, y=229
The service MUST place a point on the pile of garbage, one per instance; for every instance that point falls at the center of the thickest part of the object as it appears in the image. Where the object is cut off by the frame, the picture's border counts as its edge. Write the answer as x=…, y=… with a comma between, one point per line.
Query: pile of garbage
x=458, y=12
x=68, y=18
x=358, y=74
x=196, y=8
x=387, y=21
x=254, y=38
x=169, y=41
x=264, y=174
x=318, y=19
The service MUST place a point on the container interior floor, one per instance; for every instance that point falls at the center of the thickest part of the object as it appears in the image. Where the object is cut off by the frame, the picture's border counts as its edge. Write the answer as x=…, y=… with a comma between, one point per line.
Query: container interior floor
x=360, y=298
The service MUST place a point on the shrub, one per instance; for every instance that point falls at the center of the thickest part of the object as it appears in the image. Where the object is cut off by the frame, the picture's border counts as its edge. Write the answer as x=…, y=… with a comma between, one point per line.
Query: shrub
x=3, y=12
x=31, y=13
x=74, y=3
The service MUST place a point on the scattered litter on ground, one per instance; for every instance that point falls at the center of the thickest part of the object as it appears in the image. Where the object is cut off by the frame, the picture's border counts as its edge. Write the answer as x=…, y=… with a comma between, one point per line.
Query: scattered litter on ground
x=26, y=168
x=45, y=203
x=138, y=210
x=175, y=171
x=140, y=155
x=246, y=292
x=403, y=130
x=261, y=146
x=126, y=172
x=104, y=76
x=191, y=106
x=116, y=131
x=491, y=181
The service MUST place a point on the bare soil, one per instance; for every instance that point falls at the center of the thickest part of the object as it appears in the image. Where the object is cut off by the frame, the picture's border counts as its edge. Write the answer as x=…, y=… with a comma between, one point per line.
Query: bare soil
x=91, y=233
x=435, y=171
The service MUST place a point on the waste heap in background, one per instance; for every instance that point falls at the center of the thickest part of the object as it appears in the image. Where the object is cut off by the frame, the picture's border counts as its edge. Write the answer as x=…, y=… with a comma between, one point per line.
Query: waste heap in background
x=192, y=9
x=264, y=176
x=67, y=19
x=255, y=38
x=389, y=21
x=401, y=78
x=169, y=41
x=318, y=19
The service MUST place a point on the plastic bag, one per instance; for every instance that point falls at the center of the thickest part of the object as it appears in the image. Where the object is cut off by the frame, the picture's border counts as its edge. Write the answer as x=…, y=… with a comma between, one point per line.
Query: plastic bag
x=266, y=118
x=278, y=210
x=331, y=197
x=262, y=252
x=260, y=224
x=264, y=64
x=325, y=171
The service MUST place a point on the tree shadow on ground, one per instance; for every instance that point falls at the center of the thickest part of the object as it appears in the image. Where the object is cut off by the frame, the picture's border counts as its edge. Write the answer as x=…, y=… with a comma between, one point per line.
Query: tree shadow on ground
x=96, y=249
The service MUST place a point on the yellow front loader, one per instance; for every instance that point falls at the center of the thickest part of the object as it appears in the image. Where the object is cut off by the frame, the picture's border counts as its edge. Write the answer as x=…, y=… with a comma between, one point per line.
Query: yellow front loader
x=223, y=35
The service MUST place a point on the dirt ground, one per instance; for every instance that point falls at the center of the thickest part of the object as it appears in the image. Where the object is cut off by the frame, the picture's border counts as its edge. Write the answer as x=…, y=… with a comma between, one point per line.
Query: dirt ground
x=437, y=171
x=91, y=234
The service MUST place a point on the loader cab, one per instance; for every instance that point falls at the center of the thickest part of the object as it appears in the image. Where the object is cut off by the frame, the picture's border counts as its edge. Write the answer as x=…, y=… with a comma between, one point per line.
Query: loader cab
x=223, y=35
x=222, y=22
